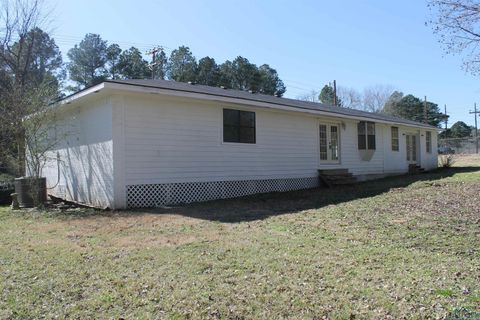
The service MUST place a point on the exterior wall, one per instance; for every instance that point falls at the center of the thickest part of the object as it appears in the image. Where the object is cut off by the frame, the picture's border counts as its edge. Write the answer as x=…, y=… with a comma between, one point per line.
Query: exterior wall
x=429, y=160
x=151, y=150
x=171, y=145
x=174, y=145
x=84, y=170
x=396, y=161
x=350, y=156
x=182, y=141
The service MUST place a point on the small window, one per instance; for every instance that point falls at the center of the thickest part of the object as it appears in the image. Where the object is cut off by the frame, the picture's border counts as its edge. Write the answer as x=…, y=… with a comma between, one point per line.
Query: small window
x=428, y=138
x=323, y=142
x=238, y=126
x=366, y=135
x=395, y=144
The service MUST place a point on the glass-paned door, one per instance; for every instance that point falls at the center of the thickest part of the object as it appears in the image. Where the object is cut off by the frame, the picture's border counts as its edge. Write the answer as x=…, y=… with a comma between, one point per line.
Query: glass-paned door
x=411, y=141
x=329, y=143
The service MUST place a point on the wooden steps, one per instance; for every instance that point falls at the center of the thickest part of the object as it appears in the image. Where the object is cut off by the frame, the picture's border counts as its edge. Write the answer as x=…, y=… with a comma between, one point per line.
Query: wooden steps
x=332, y=177
x=415, y=169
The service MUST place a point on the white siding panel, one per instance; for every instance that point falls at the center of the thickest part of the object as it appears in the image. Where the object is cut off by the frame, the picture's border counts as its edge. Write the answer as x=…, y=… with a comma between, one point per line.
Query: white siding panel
x=182, y=141
x=86, y=160
x=396, y=161
x=430, y=159
x=173, y=140
x=350, y=155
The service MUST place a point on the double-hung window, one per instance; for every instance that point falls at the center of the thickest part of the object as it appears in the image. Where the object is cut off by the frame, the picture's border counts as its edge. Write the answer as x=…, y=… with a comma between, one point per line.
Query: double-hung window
x=395, y=142
x=366, y=135
x=428, y=140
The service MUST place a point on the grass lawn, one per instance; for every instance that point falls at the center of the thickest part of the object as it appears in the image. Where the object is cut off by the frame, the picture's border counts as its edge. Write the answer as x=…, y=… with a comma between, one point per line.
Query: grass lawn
x=400, y=248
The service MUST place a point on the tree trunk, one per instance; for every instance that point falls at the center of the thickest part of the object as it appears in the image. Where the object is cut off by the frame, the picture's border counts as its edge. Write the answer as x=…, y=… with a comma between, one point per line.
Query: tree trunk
x=20, y=140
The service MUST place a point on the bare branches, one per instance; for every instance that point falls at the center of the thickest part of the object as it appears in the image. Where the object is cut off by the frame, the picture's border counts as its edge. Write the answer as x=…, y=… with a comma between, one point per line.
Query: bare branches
x=20, y=95
x=457, y=23
x=375, y=97
x=312, y=96
x=372, y=98
x=17, y=19
x=350, y=97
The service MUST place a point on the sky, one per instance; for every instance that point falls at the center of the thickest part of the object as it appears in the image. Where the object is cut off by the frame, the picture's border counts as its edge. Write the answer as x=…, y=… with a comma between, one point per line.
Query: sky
x=310, y=43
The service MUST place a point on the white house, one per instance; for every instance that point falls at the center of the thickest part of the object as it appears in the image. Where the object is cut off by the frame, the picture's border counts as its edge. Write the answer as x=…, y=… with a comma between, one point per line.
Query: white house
x=148, y=143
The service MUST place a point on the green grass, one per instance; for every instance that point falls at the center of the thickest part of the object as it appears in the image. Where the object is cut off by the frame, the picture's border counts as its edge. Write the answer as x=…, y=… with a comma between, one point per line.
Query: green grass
x=404, y=247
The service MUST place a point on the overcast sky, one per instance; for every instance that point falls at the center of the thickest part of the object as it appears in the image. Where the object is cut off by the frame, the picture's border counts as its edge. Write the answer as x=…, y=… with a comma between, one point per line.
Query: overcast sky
x=309, y=43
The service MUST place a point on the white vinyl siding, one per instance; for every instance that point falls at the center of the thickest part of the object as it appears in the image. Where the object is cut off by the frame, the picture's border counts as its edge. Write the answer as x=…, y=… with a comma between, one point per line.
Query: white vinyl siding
x=169, y=140
x=123, y=139
x=178, y=140
x=86, y=159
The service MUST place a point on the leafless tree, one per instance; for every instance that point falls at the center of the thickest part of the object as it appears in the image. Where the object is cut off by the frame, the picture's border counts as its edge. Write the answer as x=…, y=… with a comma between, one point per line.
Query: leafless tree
x=457, y=23
x=18, y=97
x=375, y=97
x=350, y=97
x=17, y=18
x=312, y=96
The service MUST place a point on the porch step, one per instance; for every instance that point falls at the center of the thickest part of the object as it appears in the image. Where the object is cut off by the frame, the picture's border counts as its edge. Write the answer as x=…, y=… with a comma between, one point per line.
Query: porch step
x=415, y=169
x=333, y=172
x=332, y=177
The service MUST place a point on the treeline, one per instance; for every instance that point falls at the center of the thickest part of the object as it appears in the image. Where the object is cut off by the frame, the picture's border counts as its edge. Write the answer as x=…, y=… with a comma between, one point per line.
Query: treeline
x=458, y=130
x=380, y=99
x=94, y=60
x=33, y=73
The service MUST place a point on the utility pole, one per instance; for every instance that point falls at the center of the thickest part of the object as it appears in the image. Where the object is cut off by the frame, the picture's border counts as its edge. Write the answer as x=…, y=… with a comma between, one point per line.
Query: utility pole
x=425, y=112
x=446, y=122
x=475, y=112
x=335, y=93
x=446, y=126
x=153, y=64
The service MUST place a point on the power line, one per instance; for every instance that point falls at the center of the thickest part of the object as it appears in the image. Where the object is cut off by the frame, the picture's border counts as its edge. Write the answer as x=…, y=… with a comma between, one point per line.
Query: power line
x=72, y=40
x=300, y=87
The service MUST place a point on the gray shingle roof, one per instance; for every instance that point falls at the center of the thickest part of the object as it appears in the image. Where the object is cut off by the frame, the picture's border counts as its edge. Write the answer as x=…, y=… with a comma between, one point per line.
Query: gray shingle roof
x=238, y=94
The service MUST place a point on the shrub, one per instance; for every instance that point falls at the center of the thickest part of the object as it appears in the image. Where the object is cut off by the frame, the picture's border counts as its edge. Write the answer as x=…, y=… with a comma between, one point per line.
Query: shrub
x=446, y=160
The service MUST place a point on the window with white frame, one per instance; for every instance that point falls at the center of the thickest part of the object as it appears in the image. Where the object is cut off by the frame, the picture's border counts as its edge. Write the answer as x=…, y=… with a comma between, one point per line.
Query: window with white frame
x=428, y=140
x=366, y=135
x=395, y=141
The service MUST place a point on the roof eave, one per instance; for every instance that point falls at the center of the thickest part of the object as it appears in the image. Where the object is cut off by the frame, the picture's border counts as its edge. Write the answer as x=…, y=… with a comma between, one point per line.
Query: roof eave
x=115, y=86
x=242, y=101
x=82, y=93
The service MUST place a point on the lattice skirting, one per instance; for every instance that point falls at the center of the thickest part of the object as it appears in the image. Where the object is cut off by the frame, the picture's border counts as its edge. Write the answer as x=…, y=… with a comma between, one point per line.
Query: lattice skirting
x=157, y=195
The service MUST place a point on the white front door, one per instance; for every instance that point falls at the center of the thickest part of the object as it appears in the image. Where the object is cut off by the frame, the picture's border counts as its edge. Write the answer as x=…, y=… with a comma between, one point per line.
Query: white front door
x=411, y=141
x=329, y=143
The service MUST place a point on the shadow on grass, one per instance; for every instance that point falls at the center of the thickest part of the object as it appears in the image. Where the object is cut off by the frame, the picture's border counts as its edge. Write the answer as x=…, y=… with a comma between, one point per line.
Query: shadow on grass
x=257, y=207
x=262, y=206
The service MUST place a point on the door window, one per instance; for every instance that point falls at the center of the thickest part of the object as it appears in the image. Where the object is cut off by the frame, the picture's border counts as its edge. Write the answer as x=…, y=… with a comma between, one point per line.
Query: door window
x=329, y=143
x=411, y=143
x=323, y=142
